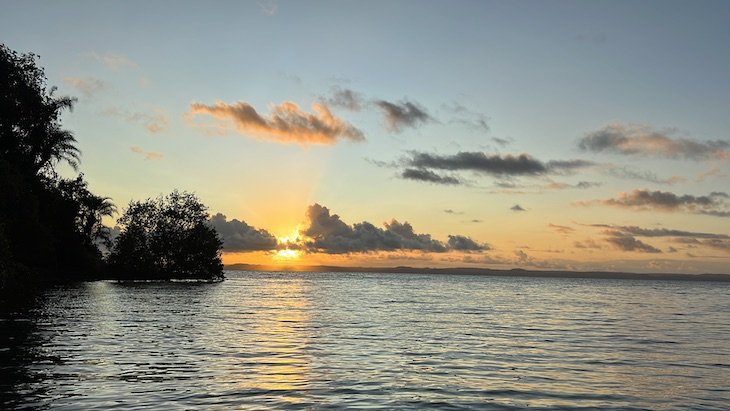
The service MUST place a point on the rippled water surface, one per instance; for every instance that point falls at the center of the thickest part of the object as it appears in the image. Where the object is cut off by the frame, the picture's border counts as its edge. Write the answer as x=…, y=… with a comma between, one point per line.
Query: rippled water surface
x=334, y=340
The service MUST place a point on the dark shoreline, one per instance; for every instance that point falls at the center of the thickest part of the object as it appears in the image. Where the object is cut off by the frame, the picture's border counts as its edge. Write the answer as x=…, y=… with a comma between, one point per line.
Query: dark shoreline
x=517, y=272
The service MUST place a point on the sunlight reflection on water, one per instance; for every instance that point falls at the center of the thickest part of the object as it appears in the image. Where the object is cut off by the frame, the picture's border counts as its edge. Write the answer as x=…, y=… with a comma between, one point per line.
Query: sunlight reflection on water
x=303, y=341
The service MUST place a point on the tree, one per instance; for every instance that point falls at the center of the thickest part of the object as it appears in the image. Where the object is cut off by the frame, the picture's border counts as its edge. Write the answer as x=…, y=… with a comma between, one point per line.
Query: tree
x=167, y=238
x=30, y=128
x=47, y=224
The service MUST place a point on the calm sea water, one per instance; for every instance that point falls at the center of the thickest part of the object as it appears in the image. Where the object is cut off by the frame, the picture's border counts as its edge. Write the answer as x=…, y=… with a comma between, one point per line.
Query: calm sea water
x=389, y=341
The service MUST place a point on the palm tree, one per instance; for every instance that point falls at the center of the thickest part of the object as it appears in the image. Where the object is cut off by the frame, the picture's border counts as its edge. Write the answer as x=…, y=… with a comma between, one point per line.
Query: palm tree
x=94, y=209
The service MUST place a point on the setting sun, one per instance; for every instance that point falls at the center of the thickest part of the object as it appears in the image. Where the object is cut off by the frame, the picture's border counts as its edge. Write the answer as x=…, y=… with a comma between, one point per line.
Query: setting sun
x=287, y=254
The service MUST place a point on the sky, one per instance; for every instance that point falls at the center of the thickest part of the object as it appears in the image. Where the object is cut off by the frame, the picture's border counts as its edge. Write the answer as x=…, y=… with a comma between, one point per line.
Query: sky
x=562, y=135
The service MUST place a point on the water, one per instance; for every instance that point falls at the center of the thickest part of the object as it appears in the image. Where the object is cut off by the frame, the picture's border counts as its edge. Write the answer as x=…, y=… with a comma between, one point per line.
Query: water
x=389, y=341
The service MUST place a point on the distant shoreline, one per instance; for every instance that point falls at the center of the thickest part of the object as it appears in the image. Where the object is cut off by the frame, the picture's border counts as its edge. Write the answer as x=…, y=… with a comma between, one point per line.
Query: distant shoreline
x=517, y=272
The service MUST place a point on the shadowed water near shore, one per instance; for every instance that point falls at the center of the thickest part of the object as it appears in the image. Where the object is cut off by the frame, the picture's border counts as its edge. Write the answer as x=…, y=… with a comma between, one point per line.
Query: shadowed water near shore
x=366, y=340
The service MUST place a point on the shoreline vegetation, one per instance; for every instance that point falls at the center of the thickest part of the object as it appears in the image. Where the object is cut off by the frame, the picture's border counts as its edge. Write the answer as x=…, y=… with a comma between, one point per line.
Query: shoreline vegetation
x=51, y=228
x=487, y=272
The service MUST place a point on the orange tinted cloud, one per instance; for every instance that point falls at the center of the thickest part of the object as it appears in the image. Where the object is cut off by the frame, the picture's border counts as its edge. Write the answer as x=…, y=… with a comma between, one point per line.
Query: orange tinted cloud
x=287, y=123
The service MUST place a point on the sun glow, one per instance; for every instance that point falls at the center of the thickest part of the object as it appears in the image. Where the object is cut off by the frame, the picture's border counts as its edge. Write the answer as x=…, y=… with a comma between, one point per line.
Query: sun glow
x=287, y=254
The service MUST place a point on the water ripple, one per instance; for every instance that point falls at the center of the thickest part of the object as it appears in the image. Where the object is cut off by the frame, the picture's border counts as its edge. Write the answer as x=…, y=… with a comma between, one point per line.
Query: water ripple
x=388, y=341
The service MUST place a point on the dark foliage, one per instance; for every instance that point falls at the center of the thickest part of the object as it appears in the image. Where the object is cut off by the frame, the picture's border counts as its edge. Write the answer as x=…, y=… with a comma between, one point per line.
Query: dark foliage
x=48, y=225
x=167, y=238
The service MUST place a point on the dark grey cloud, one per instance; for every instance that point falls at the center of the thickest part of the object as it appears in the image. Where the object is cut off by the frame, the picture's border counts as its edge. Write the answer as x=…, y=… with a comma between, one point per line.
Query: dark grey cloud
x=238, y=236
x=626, y=242
x=346, y=98
x=714, y=204
x=661, y=232
x=688, y=238
x=517, y=208
x=420, y=174
x=495, y=164
x=642, y=140
x=462, y=243
x=327, y=233
x=402, y=114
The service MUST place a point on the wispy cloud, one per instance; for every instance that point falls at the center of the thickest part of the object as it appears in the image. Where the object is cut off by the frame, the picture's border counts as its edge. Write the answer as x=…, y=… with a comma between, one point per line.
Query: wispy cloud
x=628, y=173
x=268, y=7
x=642, y=140
x=471, y=118
x=403, y=114
x=517, y=208
x=88, y=86
x=287, y=123
x=155, y=121
x=116, y=62
x=561, y=228
x=345, y=98
x=148, y=155
x=238, y=236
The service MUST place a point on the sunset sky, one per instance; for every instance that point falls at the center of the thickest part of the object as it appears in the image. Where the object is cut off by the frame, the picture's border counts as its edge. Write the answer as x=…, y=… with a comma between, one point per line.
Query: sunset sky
x=536, y=134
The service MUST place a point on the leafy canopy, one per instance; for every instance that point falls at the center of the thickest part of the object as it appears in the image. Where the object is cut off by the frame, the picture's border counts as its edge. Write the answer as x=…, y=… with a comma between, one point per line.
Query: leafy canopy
x=167, y=238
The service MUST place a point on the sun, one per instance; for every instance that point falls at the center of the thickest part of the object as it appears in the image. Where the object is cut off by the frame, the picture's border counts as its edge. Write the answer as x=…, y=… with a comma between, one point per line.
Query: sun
x=287, y=254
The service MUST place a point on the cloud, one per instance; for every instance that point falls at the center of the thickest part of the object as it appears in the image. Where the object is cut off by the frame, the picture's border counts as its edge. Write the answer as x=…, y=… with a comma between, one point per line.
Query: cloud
x=495, y=164
x=238, y=236
x=517, y=208
x=581, y=185
x=626, y=242
x=641, y=140
x=587, y=244
x=628, y=173
x=714, y=204
x=327, y=233
x=116, y=62
x=402, y=114
x=429, y=176
x=88, y=86
x=268, y=7
x=471, y=119
x=155, y=121
x=286, y=124
x=345, y=98
x=462, y=243
x=148, y=155
x=713, y=172
x=450, y=211
x=690, y=238
x=661, y=232
x=561, y=228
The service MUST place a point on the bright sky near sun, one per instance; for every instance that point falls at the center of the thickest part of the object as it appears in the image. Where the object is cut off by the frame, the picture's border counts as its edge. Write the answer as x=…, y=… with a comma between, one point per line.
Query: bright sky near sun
x=535, y=134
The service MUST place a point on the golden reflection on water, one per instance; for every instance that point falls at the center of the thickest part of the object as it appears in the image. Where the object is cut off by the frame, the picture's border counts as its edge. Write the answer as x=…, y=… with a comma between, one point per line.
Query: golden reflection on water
x=278, y=332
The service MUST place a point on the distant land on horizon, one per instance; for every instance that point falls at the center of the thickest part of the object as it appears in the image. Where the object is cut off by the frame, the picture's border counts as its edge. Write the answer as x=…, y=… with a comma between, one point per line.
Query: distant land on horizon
x=515, y=272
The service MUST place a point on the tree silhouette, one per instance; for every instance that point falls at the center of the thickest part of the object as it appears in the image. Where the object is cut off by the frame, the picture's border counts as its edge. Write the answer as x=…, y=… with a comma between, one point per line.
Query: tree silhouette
x=167, y=238
x=30, y=128
x=47, y=223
